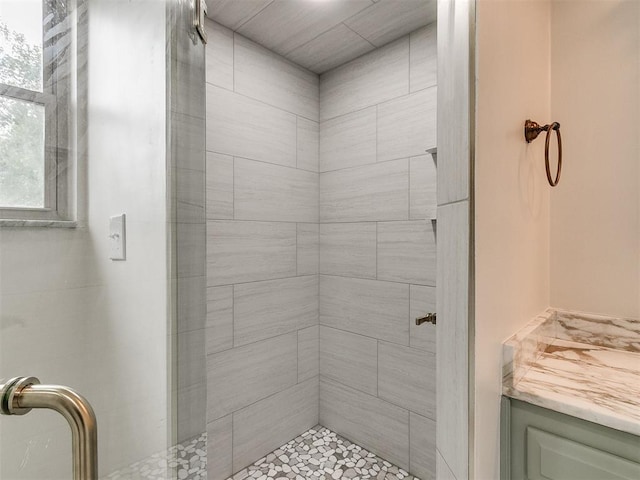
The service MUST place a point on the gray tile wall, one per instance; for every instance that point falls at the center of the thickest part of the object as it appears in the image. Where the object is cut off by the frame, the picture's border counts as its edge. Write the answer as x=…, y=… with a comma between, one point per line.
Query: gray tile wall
x=186, y=162
x=262, y=209
x=456, y=34
x=320, y=251
x=377, y=251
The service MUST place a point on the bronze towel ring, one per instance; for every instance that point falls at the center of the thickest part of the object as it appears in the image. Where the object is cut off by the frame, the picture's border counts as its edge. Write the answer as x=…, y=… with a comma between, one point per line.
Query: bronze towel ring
x=531, y=132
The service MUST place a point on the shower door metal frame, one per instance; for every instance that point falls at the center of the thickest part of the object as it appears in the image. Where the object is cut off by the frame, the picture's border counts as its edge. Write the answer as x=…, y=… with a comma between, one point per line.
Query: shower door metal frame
x=19, y=395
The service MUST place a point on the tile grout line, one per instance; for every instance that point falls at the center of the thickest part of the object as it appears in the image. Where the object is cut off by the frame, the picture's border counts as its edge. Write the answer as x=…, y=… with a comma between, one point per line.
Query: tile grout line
x=289, y=387
x=409, y=315
x=263, y=103
x=409, y=63
x=377, y=250
x=364, y=165
x=386, y=100
x=409, y=439
x=378, y=368
x=255, y=342
x=375, y=47
x=412, y=282
x=286, y=222
x=375, y=338
x=409, y=189
x=297, y=357
x=290, y=277
x=377, y=133
x=252, y=17
x=232, y=449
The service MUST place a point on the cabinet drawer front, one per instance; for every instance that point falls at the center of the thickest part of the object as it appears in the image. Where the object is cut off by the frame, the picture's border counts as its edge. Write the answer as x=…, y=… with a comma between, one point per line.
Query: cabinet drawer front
x=550, y=457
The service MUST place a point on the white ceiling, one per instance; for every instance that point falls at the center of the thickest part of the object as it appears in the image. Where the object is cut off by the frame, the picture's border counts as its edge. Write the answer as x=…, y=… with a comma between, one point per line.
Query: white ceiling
x=322, y=34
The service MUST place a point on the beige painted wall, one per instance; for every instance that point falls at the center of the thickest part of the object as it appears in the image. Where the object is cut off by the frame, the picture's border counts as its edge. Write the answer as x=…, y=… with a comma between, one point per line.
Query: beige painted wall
x=576, y=246
x=511, y=198
x=595, y=211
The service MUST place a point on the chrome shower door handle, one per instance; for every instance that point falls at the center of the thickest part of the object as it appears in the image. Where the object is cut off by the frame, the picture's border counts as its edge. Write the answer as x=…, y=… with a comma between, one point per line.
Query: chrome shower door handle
x=19, y=395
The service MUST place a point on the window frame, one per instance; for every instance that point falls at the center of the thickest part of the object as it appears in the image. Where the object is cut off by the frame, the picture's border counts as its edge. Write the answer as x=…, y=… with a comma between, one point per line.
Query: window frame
x=62, y=86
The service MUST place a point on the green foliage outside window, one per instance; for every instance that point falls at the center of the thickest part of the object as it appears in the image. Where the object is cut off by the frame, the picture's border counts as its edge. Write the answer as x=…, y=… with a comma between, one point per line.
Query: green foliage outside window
x=21, y=124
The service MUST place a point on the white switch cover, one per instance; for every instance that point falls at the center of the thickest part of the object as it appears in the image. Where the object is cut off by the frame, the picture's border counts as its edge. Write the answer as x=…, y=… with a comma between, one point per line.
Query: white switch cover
x=117, y=238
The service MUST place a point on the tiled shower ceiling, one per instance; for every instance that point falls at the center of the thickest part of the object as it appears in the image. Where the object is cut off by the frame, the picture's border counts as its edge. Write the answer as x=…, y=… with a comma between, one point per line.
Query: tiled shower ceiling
x=322, y=34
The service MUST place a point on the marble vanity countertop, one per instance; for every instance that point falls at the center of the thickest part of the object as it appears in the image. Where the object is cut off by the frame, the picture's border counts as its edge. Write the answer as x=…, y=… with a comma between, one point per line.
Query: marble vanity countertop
x=586, y=366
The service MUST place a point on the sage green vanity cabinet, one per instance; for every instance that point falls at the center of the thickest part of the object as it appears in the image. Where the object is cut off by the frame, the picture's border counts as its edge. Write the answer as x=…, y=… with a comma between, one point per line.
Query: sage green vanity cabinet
x=540, y=444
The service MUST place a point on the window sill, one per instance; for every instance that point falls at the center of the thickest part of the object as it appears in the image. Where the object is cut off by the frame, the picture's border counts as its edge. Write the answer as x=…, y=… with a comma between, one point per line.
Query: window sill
x=38, y=223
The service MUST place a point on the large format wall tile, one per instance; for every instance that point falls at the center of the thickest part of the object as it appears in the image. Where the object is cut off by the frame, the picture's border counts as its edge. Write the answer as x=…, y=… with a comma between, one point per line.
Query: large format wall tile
x=219, y=318
x=285, y=25
x=219, y=189
x=407, y=377
x=422, y=188
x=369, y=193
x=348, y=140
x=423, y=65
x=452, y=339
x=271, y=192
x=368, y=307
x=308, y=353
x=308, y=141
x=190, y=355
x=190, y=195
x=273, y=307
x=407, y=125
x=422, y=445
x=247, y=128
x=192, y=303
x=349, y=359
x=241, y=376
x=190, y=251
x=220, y=448
x=270, y=423
x=348, y=249
x=234, y=13
x=240, y=252
x=219, y=51
x=266, y=76
x=407, y=252
x=375, y=424
x=365, y=81
x=442, y=468
x=422, y=301
x=330, y=49
x=388, y=19
x=308, y=248
x=192, y=411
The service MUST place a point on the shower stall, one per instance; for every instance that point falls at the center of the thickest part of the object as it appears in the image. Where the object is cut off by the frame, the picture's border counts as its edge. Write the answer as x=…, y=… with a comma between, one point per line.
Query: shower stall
x=321, y=238
x=239, y=254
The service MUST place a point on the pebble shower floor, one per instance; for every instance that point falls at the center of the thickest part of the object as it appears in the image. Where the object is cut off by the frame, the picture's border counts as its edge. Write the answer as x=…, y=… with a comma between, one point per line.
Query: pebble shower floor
x=318, y=454
x=321, y=454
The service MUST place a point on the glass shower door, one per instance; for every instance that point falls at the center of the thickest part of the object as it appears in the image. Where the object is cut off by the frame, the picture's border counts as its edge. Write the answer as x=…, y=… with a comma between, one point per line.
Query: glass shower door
x=88, y=230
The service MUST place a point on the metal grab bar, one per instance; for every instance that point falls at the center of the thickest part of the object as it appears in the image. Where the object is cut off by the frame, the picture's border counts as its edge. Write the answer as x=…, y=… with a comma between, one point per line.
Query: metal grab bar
x=19, y=395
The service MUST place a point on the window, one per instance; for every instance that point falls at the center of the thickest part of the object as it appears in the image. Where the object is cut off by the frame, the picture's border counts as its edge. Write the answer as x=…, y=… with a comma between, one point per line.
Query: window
x=39, y=73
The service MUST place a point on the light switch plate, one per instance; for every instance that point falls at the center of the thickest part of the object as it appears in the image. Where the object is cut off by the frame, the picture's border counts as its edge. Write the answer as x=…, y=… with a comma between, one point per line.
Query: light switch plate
x=117, y=237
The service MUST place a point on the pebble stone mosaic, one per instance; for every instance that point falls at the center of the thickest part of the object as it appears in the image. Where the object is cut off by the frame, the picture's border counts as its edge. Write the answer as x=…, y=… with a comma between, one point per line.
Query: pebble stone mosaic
x=317, y=454
x=321, y=454
x=185, y=461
